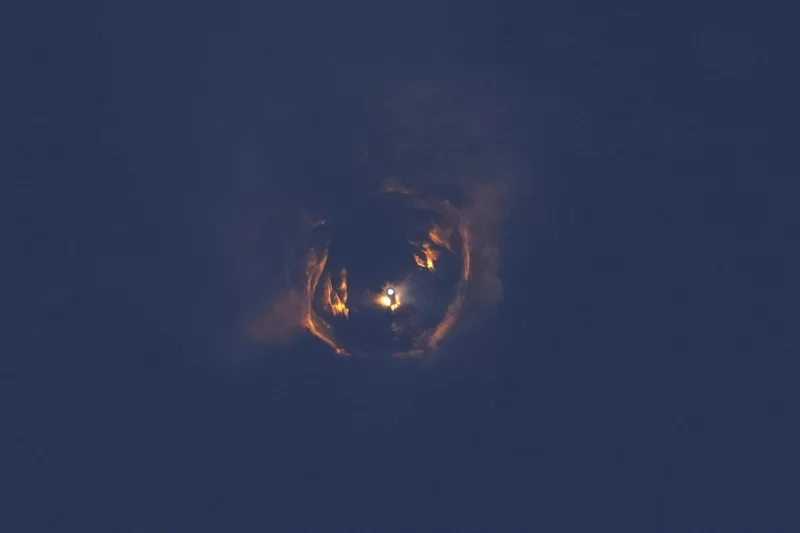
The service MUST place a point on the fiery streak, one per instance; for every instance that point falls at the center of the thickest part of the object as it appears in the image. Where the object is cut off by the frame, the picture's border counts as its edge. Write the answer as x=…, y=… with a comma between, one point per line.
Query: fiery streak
x=428, y=257
x=440, y=237
x=335, y=300
x=316, y=325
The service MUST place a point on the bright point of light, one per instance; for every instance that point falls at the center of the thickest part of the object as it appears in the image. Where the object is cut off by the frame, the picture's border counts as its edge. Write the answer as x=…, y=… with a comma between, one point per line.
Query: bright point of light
x=390, y=291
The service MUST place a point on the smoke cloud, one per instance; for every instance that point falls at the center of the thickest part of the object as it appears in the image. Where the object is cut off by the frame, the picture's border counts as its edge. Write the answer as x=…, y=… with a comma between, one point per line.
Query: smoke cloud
x=446, y=146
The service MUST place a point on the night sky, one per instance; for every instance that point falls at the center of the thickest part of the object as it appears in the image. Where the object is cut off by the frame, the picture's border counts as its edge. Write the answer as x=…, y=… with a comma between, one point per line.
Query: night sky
x=638, y=374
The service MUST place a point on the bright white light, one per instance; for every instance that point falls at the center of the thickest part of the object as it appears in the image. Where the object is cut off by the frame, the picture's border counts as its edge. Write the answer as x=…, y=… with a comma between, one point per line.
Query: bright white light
x=390, y=291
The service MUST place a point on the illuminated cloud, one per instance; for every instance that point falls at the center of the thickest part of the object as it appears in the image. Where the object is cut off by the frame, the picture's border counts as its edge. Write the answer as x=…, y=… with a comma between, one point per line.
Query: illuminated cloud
x=443, y=155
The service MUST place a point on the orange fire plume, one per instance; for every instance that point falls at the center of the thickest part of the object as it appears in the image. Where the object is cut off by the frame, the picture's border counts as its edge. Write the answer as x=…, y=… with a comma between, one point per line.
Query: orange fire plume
x=428, y=257
x=440, y=237
x=315, y=324
x=335, y=300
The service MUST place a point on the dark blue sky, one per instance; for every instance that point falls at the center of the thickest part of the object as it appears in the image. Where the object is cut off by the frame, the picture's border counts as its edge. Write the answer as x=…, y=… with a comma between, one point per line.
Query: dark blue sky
x=639, y=374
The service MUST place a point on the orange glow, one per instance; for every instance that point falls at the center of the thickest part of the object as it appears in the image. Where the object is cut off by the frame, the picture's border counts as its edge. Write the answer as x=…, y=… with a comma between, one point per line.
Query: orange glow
x=314, y=268
x=467, y=251
x=440, y=237
x=441, y=331
x=335, y=300
x=428, y=257
x=391, y=302
x=316, y=325
x=454, y=309
x=433, y=337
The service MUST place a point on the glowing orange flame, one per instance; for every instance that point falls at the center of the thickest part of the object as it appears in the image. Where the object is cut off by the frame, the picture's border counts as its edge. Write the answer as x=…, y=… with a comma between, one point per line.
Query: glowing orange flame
x=316, y=325
x=428, y=257
x=335, y=301
x=440, y=237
